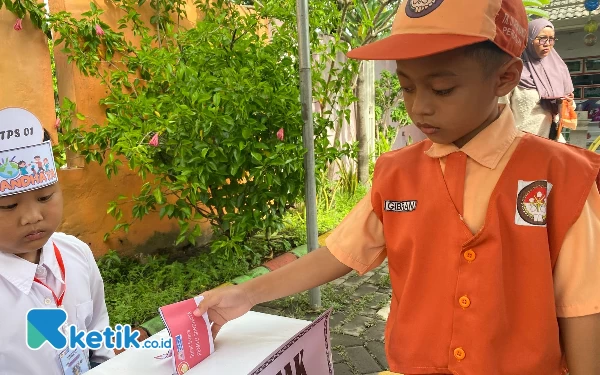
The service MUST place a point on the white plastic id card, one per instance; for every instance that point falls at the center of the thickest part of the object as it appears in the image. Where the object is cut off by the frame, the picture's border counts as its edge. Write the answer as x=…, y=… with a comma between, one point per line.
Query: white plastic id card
x=73, y=361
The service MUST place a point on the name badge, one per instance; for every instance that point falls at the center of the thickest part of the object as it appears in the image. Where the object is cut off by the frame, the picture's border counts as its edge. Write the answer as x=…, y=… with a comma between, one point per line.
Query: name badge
x=73, y=361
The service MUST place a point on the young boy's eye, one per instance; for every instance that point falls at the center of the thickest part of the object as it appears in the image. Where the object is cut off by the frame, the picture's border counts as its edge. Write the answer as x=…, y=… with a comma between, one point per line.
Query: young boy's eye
x=407, y=90
x=45, y=198
x=8, y=207
x=443, y=92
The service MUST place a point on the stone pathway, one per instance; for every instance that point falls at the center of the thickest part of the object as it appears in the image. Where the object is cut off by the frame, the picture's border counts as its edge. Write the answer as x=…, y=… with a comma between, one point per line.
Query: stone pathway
x=357, y=329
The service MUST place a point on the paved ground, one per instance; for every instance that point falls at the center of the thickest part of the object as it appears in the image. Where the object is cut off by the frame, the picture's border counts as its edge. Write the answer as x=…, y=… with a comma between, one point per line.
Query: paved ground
x=357, y=328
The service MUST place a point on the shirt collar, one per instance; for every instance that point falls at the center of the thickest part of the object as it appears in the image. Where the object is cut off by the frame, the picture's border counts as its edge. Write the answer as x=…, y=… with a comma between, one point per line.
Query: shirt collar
x=487, y=147
x=21, y=272
x=48, y=259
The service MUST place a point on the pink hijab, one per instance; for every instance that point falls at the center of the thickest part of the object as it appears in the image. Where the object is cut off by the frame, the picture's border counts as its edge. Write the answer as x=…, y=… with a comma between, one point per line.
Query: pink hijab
x=549, y=75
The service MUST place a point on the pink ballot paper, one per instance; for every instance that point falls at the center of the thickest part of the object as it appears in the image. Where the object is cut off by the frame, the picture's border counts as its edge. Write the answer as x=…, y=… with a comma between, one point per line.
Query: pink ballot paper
x=307, y=353
x=192, y=338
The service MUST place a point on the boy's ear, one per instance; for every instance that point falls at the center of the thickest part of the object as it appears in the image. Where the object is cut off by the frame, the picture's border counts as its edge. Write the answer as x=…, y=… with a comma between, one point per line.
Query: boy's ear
x=509, y=75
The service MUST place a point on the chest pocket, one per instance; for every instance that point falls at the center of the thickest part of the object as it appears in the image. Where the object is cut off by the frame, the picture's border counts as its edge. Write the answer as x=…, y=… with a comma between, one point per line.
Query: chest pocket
x=84, y=312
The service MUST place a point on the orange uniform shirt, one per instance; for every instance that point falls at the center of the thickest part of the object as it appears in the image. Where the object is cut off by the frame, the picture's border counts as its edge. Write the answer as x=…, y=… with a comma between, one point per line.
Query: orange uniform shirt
x=482, y=276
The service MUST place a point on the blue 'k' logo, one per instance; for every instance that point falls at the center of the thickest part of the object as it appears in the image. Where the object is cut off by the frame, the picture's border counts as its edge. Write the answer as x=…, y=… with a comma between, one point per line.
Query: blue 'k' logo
x=45, y=325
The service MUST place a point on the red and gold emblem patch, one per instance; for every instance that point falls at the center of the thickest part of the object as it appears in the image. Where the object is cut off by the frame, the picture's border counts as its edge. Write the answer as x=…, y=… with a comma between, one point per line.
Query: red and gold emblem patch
x=532, y=203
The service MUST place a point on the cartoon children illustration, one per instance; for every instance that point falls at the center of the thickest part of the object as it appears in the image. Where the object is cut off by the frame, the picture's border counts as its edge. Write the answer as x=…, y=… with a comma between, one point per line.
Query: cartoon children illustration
x=23, y=168
x=38, y=162
x=32, y=169
x=46, y=164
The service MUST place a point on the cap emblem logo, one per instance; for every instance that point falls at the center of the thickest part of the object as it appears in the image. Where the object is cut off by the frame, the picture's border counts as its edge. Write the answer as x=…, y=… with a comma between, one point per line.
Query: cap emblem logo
x=420, y=8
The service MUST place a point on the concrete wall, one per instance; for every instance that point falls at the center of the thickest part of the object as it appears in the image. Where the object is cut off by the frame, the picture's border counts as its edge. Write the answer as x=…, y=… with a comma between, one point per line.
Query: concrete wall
x=570, y=45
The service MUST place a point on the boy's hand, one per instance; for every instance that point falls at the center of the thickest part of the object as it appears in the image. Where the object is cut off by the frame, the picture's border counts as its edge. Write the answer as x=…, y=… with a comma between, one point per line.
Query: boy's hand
x=224, y=304
x=569, y=98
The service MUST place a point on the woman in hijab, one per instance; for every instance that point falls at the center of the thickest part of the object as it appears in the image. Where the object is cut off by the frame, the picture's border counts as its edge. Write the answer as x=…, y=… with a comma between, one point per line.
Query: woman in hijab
x=545, y=83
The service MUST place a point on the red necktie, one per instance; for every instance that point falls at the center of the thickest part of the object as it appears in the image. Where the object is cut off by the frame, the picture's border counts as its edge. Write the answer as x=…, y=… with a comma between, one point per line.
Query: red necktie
x=454, y=174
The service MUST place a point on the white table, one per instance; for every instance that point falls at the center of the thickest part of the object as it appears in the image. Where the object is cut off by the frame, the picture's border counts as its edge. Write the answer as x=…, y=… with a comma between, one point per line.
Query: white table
x=240, y=346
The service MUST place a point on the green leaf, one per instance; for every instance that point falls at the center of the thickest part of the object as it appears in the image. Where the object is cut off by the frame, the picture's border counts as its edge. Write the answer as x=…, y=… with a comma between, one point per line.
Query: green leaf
x=93, y=6
x=537, y=12
x=158, y=195
x=80, y=116
x=532, y=3
x=197, y=231
x=256, y=155
x=180, y=239
x=246, y=133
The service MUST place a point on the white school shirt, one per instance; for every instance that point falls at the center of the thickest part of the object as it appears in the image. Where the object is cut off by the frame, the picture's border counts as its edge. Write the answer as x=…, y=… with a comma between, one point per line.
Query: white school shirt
x=83, y=302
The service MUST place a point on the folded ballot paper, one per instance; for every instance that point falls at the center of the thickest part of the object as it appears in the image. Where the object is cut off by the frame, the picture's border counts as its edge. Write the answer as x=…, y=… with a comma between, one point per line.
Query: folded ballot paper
x=192, y=338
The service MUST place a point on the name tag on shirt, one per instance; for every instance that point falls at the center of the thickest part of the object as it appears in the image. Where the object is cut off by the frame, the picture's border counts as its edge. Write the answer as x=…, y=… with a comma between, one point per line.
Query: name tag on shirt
x=73, y=361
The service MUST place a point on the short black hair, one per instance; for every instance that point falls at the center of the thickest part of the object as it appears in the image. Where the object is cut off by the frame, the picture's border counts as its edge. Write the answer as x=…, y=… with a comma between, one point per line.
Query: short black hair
x=488, y=54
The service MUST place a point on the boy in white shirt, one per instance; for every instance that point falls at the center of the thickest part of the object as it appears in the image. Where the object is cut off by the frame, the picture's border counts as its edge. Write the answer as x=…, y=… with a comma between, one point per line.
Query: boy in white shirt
x=38, y=267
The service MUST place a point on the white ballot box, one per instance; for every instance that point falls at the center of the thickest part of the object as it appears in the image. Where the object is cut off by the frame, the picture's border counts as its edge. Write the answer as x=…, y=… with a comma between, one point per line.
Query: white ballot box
x=241, y=345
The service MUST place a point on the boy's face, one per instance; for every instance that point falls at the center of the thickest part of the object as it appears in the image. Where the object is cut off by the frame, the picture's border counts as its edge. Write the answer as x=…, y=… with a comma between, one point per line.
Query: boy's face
x=450, y=97
x=27, y=220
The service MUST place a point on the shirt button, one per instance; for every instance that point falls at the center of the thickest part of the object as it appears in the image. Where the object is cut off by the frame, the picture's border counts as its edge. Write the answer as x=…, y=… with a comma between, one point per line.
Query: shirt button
x=469, y=255
x=40, y=271
x=459, y=353
x=464, y=302
x=47, y=301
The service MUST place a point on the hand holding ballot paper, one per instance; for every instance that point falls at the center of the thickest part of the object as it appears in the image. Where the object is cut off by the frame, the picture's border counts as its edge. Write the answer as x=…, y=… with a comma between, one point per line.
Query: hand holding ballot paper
x=306, y=352
x=192, y=341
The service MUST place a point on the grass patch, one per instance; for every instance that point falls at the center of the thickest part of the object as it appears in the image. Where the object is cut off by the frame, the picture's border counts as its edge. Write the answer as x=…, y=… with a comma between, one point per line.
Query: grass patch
x=328, y=215
x=384, y=281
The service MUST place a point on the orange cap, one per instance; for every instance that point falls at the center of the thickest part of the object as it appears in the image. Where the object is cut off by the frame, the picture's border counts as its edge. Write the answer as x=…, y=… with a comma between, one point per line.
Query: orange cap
x=426, y=27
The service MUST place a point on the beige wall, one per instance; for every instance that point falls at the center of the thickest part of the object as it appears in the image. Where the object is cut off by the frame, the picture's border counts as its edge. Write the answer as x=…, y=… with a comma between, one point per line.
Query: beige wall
x=25, y=73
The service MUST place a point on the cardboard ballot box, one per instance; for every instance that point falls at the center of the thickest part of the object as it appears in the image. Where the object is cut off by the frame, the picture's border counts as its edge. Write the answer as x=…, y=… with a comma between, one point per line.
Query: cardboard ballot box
x=241, y=345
